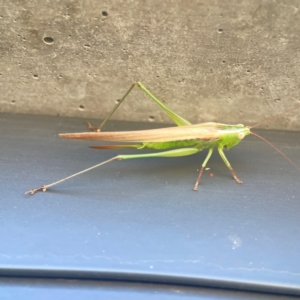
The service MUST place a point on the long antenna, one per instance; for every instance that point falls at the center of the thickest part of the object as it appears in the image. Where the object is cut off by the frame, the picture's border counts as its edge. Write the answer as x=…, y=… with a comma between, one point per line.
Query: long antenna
x=298, y=168
x=274, y=117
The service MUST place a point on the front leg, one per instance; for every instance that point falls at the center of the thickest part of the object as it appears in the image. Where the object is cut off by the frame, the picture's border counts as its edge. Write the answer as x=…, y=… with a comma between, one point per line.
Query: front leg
x=228, y=165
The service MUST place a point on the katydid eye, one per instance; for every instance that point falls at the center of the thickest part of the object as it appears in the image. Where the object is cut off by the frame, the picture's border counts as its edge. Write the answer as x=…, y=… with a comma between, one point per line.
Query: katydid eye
x=241, y=135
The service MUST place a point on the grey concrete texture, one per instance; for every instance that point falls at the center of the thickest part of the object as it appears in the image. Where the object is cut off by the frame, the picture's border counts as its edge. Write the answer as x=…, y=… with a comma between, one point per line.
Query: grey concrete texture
x=224, y=61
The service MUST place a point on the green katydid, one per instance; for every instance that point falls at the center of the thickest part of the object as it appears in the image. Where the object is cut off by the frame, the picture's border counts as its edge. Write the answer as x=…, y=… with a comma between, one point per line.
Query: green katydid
x=188, y=138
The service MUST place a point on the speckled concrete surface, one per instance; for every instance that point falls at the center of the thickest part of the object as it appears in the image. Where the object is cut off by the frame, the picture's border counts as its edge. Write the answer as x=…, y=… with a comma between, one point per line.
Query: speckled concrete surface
x=225, y=61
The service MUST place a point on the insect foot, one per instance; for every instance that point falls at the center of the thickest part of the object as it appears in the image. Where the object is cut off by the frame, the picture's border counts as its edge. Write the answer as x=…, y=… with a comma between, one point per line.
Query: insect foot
x=33, y=191
x=237, y=180
x=91, y=127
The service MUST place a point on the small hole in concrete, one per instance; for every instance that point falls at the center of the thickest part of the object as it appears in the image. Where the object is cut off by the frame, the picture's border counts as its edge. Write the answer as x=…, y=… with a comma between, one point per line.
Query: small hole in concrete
x=13, y=101
x=104, y=13
x=223, y=61
x=248, y=71
x=81, y=107
x=87, y=46
x=220, y=30
x=48, y=40
x=35, y=76
x=151, y=118
x=118, y=101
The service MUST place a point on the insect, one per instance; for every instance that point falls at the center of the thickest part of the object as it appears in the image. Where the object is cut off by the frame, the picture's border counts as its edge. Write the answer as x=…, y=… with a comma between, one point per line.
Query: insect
x=188, y=139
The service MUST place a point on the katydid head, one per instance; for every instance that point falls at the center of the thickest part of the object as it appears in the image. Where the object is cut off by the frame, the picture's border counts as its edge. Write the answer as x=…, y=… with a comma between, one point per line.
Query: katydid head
x=242, y=131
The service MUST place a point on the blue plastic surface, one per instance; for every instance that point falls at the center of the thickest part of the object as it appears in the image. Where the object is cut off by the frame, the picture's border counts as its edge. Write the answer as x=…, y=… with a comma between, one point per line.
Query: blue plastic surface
x=140, y=219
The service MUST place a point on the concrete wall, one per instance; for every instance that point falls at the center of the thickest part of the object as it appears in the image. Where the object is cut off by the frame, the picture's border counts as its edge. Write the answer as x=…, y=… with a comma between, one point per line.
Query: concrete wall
x=228, y=61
